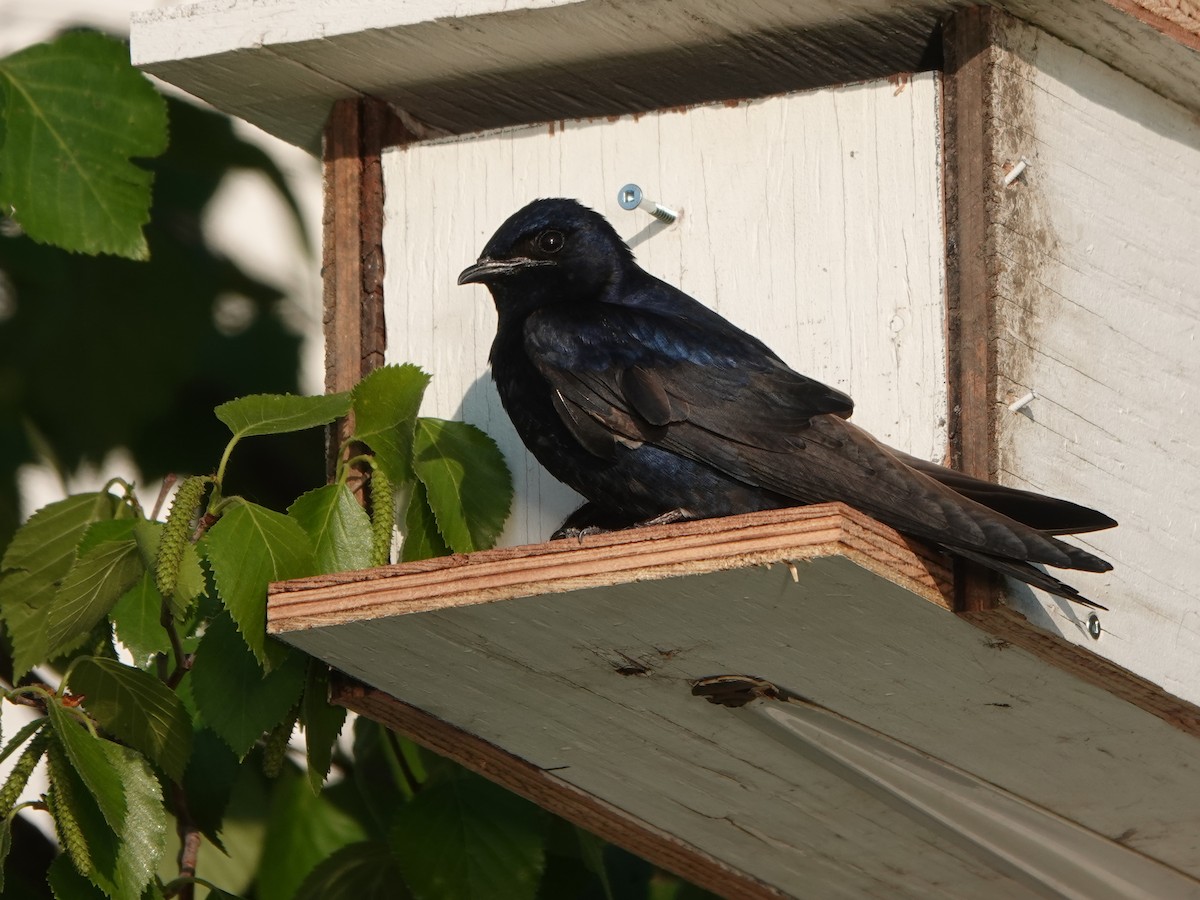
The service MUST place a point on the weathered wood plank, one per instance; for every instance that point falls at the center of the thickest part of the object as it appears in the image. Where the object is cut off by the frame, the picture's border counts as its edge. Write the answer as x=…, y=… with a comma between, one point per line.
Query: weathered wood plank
x=591, y=688
x=485, y=63
x=549, y=791
x=812, y=220
x=1096, y=315
x=970, y=287
x=637, y=554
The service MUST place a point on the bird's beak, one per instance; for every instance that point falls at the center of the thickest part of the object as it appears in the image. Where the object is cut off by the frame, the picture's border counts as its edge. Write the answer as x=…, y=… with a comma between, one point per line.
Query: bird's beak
x=487, y=269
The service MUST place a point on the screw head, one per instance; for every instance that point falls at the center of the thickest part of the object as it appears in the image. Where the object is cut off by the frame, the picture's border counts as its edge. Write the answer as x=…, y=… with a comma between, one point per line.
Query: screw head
x=629, y=196
x=1093, y=626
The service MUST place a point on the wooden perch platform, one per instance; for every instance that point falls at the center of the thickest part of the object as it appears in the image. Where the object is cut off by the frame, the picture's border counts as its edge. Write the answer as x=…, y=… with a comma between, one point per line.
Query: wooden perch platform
x=638, y=554
x=564, y=671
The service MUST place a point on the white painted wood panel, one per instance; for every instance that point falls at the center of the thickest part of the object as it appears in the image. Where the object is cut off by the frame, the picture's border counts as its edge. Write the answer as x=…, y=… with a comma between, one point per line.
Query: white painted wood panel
x=812, y=220
x=1099, y=314
x=538, y=676
x=463, y=65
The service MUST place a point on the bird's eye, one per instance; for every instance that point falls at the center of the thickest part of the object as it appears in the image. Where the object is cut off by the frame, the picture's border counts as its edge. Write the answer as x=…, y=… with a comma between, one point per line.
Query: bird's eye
x=550, y=241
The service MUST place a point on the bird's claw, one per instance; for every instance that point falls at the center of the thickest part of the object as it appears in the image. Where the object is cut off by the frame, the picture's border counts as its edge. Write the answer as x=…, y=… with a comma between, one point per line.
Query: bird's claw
x=579, y=533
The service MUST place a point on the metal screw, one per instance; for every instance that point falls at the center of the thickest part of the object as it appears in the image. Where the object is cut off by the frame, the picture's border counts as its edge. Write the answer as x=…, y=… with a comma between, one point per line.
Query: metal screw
x=631, y=197
x=1094, y=626
x=1015, y=172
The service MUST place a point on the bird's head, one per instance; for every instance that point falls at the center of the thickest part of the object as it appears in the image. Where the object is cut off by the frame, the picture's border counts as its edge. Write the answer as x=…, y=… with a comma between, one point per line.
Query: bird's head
x=549, y=250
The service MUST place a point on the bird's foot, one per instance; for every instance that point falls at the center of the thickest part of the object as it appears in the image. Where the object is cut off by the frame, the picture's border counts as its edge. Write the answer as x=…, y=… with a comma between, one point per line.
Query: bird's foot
x=589, y=519
x=579, y=533
x=668, y=518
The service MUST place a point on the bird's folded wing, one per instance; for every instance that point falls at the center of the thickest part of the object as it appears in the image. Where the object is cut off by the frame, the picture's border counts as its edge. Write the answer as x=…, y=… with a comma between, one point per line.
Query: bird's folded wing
x=636, y=372
x=623, y=377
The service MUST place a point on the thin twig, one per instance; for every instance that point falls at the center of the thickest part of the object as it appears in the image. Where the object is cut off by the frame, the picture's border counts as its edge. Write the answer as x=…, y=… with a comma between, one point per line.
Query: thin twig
x=183, y=661
x=168, y=483
x=410, y=777
x=189, y=843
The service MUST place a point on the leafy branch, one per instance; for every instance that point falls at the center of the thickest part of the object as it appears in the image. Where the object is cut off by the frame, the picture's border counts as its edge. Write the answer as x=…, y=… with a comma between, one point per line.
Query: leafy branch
x=120, y=737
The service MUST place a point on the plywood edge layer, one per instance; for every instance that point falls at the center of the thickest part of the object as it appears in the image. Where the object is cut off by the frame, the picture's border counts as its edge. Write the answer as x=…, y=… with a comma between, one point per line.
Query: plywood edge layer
x=546, y=790
x=1010, y=626
x=641, y=554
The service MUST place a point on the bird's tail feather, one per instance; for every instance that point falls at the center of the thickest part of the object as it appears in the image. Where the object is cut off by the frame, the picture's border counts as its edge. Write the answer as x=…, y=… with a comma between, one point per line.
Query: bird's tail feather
x=1023, y=571
x=1047, y=514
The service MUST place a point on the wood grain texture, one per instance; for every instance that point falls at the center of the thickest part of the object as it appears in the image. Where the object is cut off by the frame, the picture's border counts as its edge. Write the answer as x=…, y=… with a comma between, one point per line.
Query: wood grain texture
x=636, y=554
x=477, y=64
x=341, y=262
x=352, y=263
x=550, y=792
x=341, y=265
x=1010, y=626
x=591, y=687
x=812, y=220
x=1096, y=315
x=970, y=266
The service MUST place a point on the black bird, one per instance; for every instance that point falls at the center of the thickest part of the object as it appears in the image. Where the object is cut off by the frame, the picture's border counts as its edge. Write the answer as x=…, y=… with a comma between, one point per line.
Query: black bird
x=656, y=409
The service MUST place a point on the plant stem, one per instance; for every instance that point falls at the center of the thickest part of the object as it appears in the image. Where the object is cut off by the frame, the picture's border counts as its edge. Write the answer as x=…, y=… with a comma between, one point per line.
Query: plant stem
x=396, y=755
x=168, y=483
x=220, y=477
x=183, y=661
x=189, y=843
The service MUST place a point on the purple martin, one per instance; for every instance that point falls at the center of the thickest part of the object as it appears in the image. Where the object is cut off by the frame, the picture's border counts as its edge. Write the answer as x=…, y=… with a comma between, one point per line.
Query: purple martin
x=657, y=409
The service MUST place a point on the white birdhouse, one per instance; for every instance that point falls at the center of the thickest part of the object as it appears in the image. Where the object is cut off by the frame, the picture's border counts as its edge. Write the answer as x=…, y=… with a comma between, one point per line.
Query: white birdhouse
x=980, y=223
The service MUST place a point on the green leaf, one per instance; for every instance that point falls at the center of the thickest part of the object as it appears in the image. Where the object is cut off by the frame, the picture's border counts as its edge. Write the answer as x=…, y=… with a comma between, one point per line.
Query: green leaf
x=422, y=540
x=591, y=852
x=47, y=542
x=145, y=834
x=322, y=723
x=467, y=482
x=232, y=695
x=38, y=557
x=25, y=599
x=99, y=532
x=250, y=547
x=303, y=829
x=385, y=412
x=137, y=708
x=337, y=525
x=356, y=872
x=91, y=588
x=120, y=862
x=67, y=884
x=190, y=584
x=138, y=620
x=281, y=413
x=121, y=858
x=212, y=772
x=90, y=841
x=75, y=113
x=466, y=837
x=91, y=762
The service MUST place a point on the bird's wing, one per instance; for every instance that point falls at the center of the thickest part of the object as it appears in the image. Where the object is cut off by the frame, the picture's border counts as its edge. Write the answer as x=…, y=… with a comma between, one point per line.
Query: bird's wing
x=622, y=376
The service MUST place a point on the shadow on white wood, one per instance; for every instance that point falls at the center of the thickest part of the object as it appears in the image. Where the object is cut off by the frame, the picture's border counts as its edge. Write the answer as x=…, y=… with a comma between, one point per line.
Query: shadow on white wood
x=812, y=220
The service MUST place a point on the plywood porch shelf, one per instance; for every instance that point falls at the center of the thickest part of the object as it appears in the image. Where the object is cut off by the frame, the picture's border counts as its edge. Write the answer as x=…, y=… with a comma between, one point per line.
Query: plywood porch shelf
x=565, y=671
x=688, y=548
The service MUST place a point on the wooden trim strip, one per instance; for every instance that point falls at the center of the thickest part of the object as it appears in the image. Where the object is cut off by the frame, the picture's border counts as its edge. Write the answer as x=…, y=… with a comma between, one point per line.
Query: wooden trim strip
x=1010, y=626
x=549, y=792
x=638, y=554
x=971, y=367
x=1178, y=20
